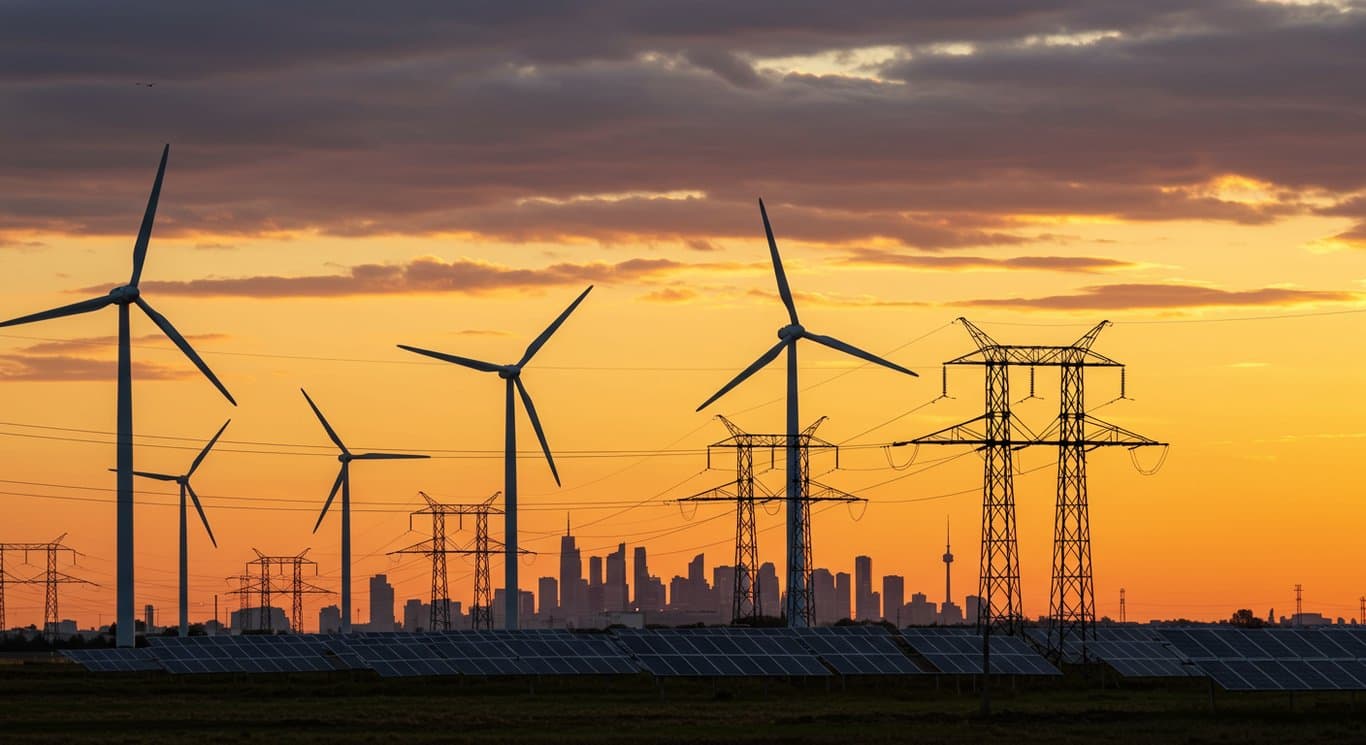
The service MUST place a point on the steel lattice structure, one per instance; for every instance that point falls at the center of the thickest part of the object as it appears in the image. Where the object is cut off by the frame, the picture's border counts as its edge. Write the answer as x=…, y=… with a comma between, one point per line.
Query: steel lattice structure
x=997, y=434
x=437, y=548
x=50, y=578
x=269, y=575
x=745, y=492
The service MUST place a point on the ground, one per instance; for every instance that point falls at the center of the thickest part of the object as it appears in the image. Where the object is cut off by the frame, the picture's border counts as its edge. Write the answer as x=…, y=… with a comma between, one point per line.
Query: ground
x=45, y=702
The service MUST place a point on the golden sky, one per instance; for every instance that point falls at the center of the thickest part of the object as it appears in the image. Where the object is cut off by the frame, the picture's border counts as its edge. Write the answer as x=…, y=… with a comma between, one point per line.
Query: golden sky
x=454, y=185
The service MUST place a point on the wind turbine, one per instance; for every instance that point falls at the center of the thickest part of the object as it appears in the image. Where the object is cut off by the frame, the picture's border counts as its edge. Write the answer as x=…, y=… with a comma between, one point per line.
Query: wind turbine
x=124, y=296
x=798, y=609
x=343, y=483
x=512, y=374
x=184, y=481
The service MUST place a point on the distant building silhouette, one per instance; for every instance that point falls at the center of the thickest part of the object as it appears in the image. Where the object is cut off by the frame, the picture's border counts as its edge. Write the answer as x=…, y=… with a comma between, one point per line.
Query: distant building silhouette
x=843, y=587
x=381, y=604
x=823, y=592
x=329, y=620
x=893, y=597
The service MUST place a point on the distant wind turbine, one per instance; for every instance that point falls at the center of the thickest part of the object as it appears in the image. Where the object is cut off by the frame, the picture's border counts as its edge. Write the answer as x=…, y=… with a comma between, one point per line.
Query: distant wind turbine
x=513, y=375
x=123, y=297
x=343, y=483
x=184, y=481
x=788, y=336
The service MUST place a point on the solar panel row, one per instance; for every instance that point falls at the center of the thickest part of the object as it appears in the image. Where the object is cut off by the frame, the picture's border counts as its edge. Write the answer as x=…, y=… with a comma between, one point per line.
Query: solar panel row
x=1276, y=659
x=959, y=651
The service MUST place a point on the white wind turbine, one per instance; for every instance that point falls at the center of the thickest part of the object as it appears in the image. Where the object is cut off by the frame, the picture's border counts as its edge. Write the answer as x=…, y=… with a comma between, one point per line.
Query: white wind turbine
x=123, y=297
x=185, y=489
x=343, y=483
x=512, y=374
x=788, y=336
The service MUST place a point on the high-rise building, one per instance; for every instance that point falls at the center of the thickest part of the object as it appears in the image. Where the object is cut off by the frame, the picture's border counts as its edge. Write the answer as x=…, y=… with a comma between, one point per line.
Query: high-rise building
x=769, y=596
x=329, y=620
x=842, y=590
x=723, y=591
x=865, y=607
x=597, y=595
x=640, y=577
x=972, y=607
x=893, y=597
x=616, y=594
x=919, y=612
x=572, y=602
x=417, y=616
x=526, y=607
x=823, y=592
x=548, y=590
x=381, y=604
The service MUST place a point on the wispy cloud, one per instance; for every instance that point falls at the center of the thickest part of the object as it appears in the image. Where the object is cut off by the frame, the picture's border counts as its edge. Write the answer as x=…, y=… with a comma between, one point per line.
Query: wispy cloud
x=1154, y=296
x=939, y=262
x=91, y=344
x=67, y=369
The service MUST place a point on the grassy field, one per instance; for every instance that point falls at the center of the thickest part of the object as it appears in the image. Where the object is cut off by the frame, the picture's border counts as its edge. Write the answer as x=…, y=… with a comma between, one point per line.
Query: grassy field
x=61, y=703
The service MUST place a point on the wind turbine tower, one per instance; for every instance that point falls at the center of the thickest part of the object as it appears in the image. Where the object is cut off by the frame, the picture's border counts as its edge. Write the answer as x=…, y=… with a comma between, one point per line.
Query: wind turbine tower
x=124, y=296
x=343, y=483
x=512, y=375
x=185, y=489
x=800, y=610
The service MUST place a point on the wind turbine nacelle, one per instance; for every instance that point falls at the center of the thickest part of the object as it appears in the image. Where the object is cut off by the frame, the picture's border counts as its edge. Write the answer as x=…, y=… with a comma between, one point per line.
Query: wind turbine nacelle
x=509, y=372
x=791, y=332
x=124, y=294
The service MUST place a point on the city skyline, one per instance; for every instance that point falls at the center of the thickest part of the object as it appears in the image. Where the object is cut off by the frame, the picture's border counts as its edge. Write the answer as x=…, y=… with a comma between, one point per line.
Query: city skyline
x=917, y=166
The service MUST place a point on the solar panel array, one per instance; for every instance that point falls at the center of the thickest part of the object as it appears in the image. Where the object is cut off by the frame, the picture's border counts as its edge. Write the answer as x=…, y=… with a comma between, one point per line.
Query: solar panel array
x=859, y=650
x=1133, y=651
x=240, y=654
x=959, y=650
x=113, y=660
x=559, y=652
x=721, y=652
x=1276, y=659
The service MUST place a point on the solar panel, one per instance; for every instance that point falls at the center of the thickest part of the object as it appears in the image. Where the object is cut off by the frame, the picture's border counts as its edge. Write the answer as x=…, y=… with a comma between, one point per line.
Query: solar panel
x=1276, y=658
x=717, y=652
x=563, y=652
x=113, y=660
x=196, y=654
x=859, y=650
x=959, y=650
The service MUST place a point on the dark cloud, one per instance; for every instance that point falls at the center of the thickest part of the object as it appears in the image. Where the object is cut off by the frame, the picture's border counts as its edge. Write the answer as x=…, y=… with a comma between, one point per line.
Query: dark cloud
x=424, y=118
x=430, y=275
x=1166, y=296
x=67, y=369
x=1083, y=264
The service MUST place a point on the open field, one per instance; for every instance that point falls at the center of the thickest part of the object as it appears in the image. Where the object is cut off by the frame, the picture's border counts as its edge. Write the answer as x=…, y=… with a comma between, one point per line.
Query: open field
x=62, y=703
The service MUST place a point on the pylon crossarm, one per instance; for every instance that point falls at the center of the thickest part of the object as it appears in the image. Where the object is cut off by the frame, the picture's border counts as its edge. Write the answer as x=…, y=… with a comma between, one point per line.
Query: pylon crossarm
x=421, y=547
x=1100, y=432
x=723, y=493
x=818, y=492
x=959, y=434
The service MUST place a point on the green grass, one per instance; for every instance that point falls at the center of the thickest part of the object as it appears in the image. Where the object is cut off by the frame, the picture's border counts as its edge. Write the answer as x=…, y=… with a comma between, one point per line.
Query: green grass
x=61, y=703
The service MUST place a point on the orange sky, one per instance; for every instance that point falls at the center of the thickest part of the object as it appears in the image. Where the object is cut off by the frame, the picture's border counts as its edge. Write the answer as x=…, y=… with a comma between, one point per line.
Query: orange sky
x=454, y=183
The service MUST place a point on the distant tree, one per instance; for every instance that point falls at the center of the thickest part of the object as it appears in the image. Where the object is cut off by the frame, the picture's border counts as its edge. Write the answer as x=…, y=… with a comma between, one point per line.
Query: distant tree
x=1244, y=617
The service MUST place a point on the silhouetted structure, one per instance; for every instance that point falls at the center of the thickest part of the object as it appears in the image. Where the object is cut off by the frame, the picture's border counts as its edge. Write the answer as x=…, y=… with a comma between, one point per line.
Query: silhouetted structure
x=266, y=576
x=50, y=578
x=437, y=547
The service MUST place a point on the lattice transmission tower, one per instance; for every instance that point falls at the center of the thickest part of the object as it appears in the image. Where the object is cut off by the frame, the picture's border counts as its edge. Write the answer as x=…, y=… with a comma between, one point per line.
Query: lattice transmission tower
x=998, y=434
x=267, y=576
x=746, y=491
x=51, y=578
x=438, y=547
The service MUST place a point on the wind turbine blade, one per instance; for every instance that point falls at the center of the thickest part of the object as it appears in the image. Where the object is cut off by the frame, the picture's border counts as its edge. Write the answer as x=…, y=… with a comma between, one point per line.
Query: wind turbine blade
x=164, y=324
x=150, y=475
x=784, y=291
x=336, y=487
x=850, y=349
x=145, y=232
x=767, y=357
x=202, y=517
x=203, y=453
x=84, y=306
x=538, y=342
x=331, y=433
x=536, y=424
x=463, y=361
x=388, y=456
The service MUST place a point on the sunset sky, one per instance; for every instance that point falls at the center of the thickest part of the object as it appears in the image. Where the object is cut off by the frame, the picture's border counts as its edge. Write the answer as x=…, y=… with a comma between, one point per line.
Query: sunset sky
x=350, y=176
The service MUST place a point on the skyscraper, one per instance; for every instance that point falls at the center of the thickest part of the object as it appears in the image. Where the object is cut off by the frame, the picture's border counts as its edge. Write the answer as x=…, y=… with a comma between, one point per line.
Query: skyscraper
x=823, y=590
x=865, y=607
x=381, y=604
x=571, y=572
x=842, y=587
x=769, y=596
x=640, y=577
x=596, y=593
x=548, y=590
x=893, y=597
x=616, y=593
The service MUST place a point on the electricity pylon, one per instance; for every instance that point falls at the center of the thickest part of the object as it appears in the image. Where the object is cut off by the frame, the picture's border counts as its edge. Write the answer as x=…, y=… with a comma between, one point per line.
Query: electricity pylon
x=747, y=604
x=997, y=434
x=437, y=547
x=50, y=578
